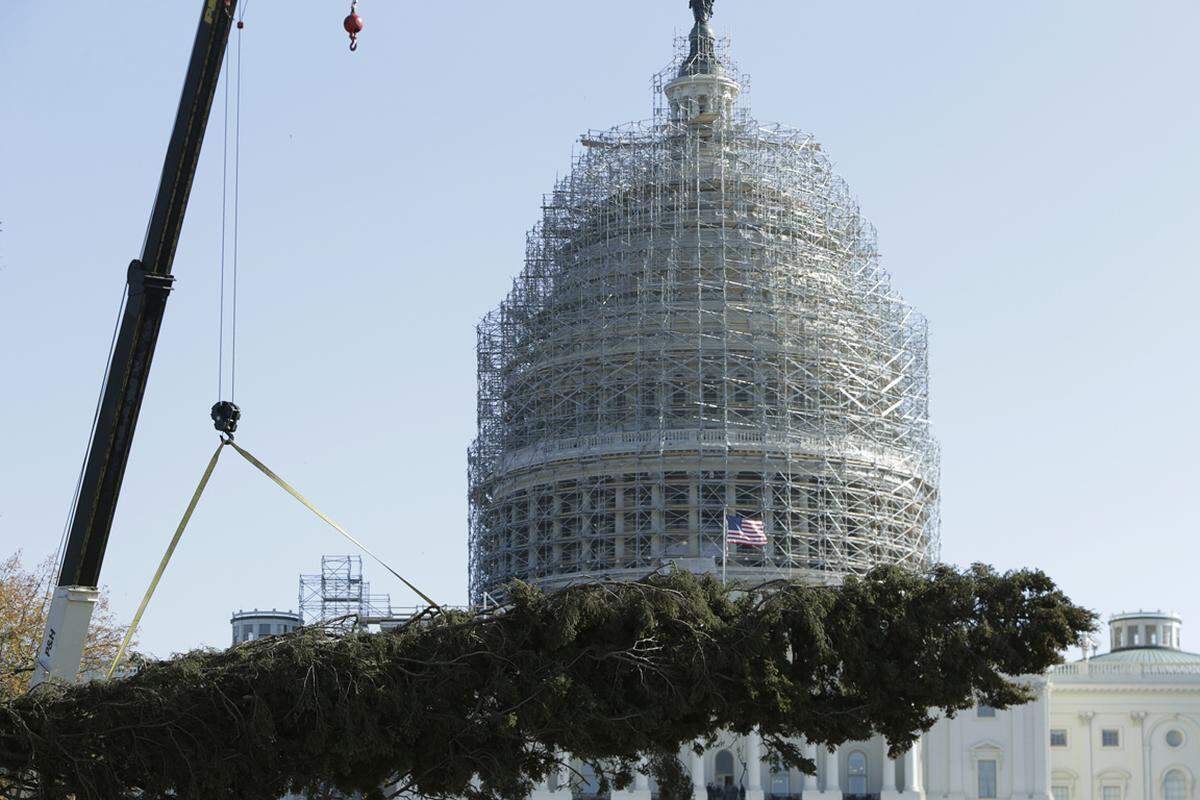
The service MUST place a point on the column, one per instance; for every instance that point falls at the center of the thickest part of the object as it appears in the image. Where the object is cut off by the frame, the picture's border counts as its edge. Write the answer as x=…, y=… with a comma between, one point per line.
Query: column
x=810, y=781
x=914, y=788
x=1019, y=780
x=699, y=788
x=1041, y=743
x=955, y=758
x=833, y=779
x=1086, y=789
x=888, y=788
x=1139, y=720
x=1037, y=732
x=754, y=789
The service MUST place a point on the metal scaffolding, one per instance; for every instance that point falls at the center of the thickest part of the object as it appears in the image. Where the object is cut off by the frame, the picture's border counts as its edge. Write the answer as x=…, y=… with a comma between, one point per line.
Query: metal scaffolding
x=340, y=592
x=702, y=324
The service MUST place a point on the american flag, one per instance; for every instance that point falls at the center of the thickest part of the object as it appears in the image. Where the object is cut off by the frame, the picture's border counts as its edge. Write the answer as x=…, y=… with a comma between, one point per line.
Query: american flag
x=741, y=530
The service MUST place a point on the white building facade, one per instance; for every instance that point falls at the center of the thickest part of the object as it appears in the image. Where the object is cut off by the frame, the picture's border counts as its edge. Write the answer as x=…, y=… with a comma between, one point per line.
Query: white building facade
x=1126, y=724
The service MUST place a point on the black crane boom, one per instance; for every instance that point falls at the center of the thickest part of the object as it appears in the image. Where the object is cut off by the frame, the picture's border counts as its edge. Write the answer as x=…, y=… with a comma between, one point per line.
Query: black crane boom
x=149, y=283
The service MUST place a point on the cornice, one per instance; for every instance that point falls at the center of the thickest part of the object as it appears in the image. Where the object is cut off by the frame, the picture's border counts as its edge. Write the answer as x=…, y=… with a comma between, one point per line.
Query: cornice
x=1060, y=689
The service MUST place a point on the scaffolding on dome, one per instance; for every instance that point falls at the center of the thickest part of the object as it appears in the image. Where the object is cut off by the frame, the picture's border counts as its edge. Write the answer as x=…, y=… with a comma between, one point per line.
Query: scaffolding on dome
x=702, y=325
x=340, y=593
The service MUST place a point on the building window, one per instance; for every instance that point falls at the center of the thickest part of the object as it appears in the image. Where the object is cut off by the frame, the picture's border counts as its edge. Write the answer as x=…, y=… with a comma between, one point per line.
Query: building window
x=1174, y=786
x=723, y=768
x=780, y=782
x=856, y=772
x=1134, y=641
x=1110, y=793
x=1110, y=737
x=1116, y=642
x=1174, y=738
x=1058, y=737
x=987, y=779
x=985, y=711
x=1060, y=792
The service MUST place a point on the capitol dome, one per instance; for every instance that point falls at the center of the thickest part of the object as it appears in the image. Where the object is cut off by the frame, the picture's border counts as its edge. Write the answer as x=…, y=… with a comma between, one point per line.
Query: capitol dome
x=702, y=327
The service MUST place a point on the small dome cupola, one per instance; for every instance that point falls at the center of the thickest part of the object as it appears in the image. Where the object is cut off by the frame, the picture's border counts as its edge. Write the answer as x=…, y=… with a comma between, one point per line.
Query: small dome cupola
x=1136, y=629
x=702, y=94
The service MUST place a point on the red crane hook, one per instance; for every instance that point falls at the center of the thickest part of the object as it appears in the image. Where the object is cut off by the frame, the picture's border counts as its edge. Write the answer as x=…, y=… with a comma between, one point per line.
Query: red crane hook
x=353, y=25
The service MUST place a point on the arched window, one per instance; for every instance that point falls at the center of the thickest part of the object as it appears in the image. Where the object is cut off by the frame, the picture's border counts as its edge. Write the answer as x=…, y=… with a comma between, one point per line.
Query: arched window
x=723, y=767
x=856, y=773
x=1174, y=786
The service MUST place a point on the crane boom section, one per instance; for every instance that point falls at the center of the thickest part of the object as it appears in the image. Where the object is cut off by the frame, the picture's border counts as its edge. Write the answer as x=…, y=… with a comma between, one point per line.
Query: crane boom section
x=149, y=280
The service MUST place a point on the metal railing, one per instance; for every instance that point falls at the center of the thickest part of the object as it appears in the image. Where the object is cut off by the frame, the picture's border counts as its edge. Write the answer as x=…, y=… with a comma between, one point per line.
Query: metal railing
x=1122, y=670
x=848, y=446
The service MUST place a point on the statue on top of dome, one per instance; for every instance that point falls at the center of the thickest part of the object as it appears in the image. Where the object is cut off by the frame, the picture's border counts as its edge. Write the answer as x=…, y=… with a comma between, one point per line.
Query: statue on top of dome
x=702, y=60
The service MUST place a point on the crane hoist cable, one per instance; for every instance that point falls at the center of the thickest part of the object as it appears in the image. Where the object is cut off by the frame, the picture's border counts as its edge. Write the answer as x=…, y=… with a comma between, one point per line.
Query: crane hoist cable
x=225, y=413
x=237, y=212
x=187, y=517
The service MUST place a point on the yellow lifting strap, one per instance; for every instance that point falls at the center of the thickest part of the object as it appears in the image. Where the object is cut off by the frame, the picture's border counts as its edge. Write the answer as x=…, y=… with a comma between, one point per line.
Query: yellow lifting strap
x=162, y=565
x=187, y=516
x=288, y=488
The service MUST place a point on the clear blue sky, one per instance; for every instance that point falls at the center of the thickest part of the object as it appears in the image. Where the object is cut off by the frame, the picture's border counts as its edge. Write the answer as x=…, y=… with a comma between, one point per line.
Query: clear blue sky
x=1032, y=168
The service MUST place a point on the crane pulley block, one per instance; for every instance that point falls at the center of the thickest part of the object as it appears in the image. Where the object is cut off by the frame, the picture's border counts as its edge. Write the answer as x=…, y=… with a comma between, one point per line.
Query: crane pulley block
x=225, y=416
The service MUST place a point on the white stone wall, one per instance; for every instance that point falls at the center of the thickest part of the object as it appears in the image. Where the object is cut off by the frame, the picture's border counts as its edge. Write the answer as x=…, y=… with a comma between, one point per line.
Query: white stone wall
x=1014, y=740
x=1157, y=728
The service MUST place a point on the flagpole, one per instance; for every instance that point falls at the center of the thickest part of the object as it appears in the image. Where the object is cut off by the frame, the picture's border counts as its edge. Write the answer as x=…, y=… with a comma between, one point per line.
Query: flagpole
x=724, y=542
